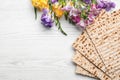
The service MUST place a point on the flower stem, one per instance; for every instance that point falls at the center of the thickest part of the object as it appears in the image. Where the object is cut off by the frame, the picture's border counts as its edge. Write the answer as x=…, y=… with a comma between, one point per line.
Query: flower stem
x=35, y=10
x=60, y=28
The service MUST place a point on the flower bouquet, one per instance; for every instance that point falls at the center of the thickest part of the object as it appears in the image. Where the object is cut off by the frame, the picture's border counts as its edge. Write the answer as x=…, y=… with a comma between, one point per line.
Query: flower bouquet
x=78, y=12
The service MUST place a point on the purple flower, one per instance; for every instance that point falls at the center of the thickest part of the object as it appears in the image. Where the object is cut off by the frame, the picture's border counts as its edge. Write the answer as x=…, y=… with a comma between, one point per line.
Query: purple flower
x=107, y=5
x=87, y=1
x=94, y=10
x=90, y=19
x=100, y=4
x=110, y=5
x=46, y=19
x=67, y=8
x=76, y=19
x=74, y=12
x=54, y=1
x=81, y=24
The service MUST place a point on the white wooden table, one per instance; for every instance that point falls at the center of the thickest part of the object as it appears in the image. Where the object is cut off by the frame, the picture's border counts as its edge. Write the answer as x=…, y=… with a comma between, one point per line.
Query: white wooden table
x=28, y=51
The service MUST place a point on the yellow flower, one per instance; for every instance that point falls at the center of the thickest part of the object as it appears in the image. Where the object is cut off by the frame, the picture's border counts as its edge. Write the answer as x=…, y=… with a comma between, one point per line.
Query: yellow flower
x=70, y=3
x=57, y=10
x=40, y=4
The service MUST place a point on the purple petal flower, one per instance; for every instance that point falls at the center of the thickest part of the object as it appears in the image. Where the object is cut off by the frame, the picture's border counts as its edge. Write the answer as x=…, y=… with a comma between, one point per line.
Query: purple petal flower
x=54, y=1
x=87, y=1
x=45, y=11
x=110, y=5
x=94, y=11
x=67, y=8
x=81, y=24
x=90, y=19
x=46, y=19
x=100, y=4
x=74, y=12
x=76, y=19
x=104, y=4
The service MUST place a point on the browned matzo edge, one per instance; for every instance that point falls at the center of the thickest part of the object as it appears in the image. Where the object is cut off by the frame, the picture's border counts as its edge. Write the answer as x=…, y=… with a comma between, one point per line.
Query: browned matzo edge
x=82, y=71
x=115, y=13
x=82, y=61
x=86, y=64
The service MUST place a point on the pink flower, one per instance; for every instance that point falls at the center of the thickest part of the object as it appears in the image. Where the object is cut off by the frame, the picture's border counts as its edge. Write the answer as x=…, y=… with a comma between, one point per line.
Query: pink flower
x=94, y=10
x=91, y=17
x=74, y=12
x=81, y=24
x=67, y=8
x=54, y=1
x=76, y=19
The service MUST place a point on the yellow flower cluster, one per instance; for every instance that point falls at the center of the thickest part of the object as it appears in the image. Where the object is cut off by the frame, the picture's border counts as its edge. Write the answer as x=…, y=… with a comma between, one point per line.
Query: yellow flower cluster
x=41, y=4
x=57, y=10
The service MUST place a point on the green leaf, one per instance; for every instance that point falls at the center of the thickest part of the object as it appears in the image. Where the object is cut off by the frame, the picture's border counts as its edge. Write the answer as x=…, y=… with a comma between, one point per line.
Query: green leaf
x=63, y=32
x=88, y=7
x=83, y=15
x=70, y=20
x=59, y=27
x=66, y=15
x=94, y=1
x=35, y=10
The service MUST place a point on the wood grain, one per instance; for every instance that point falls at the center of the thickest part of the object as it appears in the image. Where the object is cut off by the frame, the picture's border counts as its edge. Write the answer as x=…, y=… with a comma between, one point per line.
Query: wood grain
x=28, y=51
